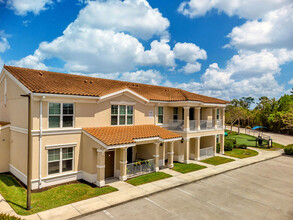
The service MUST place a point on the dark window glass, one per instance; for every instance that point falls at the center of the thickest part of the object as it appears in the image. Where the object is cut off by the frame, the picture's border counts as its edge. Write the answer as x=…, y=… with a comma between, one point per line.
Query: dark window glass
x=67, y=121
x=53, y=167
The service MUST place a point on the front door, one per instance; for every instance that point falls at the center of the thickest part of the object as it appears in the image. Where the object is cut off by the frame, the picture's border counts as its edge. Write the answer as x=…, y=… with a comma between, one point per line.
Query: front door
x=129, y=155
x=109, y=163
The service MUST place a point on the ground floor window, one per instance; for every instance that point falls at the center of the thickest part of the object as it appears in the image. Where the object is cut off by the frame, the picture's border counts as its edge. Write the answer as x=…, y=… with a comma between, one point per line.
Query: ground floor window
x=60, y=160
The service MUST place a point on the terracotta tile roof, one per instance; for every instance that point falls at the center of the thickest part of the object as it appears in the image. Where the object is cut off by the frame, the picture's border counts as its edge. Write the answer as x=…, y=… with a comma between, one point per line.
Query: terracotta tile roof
x=117, y=135
x=39, y=81
x=2, y=123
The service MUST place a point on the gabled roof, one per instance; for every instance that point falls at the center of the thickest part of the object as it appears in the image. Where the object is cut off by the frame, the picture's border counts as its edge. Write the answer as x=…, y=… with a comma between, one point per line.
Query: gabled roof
x=119, y=135
x=40, y=81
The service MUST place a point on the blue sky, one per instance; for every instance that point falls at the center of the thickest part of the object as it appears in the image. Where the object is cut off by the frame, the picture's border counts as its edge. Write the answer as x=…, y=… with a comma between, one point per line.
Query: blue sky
x=225, y=49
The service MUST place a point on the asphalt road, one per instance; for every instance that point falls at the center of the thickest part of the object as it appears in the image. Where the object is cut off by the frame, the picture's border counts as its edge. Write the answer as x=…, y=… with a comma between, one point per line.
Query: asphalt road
x=260, y=191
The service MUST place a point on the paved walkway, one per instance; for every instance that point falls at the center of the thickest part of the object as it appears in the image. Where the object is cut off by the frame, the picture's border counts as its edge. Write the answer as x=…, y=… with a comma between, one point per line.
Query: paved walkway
x=278, y=138
x=260, y=191
x=128, y=192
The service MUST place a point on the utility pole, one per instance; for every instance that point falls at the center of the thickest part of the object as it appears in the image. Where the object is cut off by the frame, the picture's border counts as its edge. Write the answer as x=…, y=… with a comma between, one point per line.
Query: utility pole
x=29, y=153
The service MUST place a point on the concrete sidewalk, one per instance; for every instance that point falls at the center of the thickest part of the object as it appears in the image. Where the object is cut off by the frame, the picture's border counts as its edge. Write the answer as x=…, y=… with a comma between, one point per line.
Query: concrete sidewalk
x=128, y=192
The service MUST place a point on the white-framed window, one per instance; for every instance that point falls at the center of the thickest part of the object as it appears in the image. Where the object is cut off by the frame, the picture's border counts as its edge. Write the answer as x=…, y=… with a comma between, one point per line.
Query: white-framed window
x=60, y=160
x=160, y=115
x=61, y=115
x=218, y=114
x=121, y=114
x=175, y=114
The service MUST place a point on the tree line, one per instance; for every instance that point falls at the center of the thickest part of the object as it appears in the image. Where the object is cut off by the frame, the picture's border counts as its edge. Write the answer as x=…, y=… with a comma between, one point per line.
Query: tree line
x=274, y=114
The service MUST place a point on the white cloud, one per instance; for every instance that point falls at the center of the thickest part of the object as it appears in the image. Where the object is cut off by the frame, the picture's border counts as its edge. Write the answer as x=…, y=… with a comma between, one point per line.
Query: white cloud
x=22, y=7
x=134, y=16
x=189, y=52
x=100, y=40
x=290, y=82
x=191, y=68
x=274, y=30
x=249, y=9
x=159, y=54
x=4, y=45
x=30, y=61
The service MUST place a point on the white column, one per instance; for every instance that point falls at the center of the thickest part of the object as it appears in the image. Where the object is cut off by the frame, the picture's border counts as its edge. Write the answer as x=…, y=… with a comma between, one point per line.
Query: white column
x=197, y=149
x=223, y=117
x=100, y=168
x=123, y=164
x=215, y=117
x=222, y=142
x=186, y=150
x=197, y=118
x=156, y=155
x=170, y=154
x=186, y=118
x=215, y=144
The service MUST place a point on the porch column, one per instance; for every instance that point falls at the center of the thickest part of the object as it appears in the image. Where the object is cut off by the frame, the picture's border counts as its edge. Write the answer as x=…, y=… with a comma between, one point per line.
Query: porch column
x=186, y=118
x=223, y=117
x=197, y=118
x=197, y=149
x=157, y=155
x=222, y=140
x=171, y=154
x=162, y=154
x=215, y=117
x=215, y=144
x=123, y=164
x=100, y=168
x=186, y=149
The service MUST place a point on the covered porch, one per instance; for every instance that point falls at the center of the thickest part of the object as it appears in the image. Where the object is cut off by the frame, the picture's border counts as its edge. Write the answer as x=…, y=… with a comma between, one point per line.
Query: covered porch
x=127, y=151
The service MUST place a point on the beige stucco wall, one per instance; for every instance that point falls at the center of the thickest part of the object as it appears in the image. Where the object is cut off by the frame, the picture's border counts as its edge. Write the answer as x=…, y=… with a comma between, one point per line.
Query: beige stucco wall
x=207, y=141
x=18, y=151
x=145, y=151
x=4, y=150
x=15, y=110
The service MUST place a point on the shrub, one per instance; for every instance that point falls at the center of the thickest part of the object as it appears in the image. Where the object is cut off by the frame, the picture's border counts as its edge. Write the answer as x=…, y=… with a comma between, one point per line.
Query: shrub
x=8, y=217
x=233, y=140
x=218, y=147
x=289, y=149
x=228, y=145
x=241, y=146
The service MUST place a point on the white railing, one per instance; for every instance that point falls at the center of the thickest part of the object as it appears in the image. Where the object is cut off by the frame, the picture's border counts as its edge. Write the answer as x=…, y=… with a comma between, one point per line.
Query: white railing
x=207, y=152
x=220, y=123
x=206, y=124
x=140, y=168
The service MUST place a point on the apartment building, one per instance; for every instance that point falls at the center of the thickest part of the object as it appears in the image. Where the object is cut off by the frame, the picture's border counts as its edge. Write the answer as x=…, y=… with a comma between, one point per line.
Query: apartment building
x=94, y=129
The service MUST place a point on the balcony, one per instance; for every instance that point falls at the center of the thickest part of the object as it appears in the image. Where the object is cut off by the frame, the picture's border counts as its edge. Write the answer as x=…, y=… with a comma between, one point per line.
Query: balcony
x=178, y=125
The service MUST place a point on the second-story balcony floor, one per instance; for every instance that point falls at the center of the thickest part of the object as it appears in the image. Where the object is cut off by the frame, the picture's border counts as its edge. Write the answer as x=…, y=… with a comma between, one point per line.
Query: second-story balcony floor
x=194, y=125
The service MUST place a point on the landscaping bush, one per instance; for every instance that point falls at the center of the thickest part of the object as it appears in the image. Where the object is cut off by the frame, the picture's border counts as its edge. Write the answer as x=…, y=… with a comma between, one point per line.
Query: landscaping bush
x=228, y=145
x=289, y=149
x=8, y=217
x=241, y=146
x=233, y=140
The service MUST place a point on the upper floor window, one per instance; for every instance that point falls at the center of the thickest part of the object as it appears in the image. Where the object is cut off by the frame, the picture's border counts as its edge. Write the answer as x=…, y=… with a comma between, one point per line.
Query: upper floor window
x=175, y=114
x=218, y=114
x=121, y=114
x=160, y=115
x=60, y=160
x=60, y=115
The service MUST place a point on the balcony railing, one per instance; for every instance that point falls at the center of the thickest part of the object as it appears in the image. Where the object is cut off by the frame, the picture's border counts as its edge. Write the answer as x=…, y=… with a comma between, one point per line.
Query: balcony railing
x=140, y=168
x=207, y=152
x=220, y=123
x=206, y=125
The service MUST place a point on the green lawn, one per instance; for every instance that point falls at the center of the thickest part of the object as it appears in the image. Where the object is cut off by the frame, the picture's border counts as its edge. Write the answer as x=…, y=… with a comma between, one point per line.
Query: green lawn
x=241, y=153
x=15, y=195
x=250, y=141
x=217, y=160
x=147, y=178
x=186, y=168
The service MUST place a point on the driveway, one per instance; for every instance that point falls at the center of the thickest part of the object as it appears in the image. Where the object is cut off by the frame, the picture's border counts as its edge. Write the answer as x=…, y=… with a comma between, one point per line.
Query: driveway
x=260, y=191
x=278, y=138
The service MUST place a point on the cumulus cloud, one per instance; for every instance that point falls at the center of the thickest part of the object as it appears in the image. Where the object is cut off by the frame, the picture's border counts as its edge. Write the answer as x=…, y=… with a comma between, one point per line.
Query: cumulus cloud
x=30, y=61
x=4, y=45
x=191, y=68
x=274, y=30
x=290, y=82
x=22, y=7
x=105, y=38
x=249, y=9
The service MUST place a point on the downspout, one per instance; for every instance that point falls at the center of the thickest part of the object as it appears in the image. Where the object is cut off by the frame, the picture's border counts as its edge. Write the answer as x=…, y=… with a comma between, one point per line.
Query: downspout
x=40, y=142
